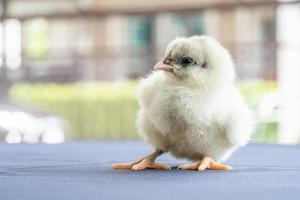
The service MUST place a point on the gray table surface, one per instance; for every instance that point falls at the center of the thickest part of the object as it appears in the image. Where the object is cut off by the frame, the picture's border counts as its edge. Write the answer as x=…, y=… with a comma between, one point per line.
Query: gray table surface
x=81, y=170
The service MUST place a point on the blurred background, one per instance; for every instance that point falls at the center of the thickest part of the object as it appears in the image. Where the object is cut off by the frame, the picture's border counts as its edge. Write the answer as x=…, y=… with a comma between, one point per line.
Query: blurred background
x=69, y=68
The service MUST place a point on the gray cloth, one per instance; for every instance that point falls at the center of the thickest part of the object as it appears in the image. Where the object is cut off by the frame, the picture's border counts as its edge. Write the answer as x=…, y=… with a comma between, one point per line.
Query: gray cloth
x=81, y=171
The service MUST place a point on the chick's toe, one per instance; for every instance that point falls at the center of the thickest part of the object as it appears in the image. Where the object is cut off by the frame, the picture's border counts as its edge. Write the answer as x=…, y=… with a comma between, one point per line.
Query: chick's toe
x=146, y=164
x=206, y=163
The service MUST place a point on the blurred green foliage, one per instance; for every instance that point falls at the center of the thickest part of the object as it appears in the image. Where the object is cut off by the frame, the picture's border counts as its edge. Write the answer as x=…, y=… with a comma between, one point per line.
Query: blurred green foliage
x=93, y=110
x=36, y=38
x=108, y=110
x=254, y=93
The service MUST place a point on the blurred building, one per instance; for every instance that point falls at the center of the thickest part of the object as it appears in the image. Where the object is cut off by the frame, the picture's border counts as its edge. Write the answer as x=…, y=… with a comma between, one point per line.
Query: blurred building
x=67, y=40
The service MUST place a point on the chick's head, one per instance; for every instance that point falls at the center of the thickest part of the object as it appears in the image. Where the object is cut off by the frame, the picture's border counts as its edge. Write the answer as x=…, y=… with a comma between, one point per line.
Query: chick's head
x=195, y=62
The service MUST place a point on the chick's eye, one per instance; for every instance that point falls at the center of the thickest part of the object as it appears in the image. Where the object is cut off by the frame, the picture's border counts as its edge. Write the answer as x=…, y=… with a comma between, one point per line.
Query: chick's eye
x=167, y=62
x=187, y=61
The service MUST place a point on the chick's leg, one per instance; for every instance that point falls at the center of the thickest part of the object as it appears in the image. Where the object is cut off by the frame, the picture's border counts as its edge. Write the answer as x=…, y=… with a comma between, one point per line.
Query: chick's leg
x=145, y=163
x=206, y=163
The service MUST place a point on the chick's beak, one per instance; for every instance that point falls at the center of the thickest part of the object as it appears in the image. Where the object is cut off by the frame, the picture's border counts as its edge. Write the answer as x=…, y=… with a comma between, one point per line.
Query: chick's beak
x=162, y=66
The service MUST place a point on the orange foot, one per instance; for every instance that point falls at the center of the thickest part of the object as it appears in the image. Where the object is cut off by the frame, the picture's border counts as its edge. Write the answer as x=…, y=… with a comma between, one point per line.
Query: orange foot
x=206, y=163
x=141, y=165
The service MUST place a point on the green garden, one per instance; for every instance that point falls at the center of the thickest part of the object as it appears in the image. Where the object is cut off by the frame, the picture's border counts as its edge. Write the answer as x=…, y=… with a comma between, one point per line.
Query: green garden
x=102, y=110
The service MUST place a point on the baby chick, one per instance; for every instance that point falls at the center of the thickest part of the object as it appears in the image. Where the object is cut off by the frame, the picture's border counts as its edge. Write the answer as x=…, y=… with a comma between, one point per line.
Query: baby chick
x=190, y=107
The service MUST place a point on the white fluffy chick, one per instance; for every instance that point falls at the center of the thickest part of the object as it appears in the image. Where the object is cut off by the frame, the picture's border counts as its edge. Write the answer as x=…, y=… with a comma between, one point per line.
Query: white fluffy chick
x=190, y=107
